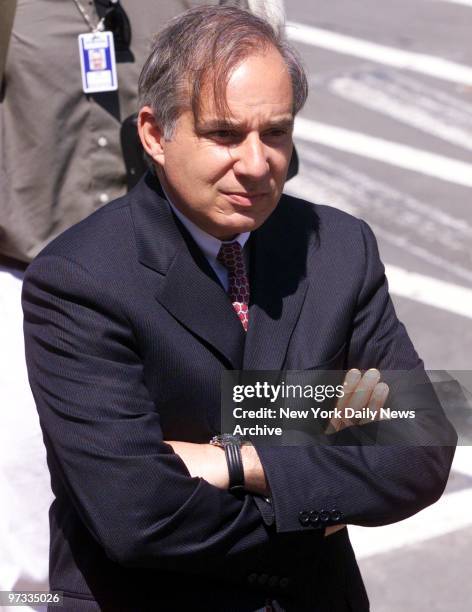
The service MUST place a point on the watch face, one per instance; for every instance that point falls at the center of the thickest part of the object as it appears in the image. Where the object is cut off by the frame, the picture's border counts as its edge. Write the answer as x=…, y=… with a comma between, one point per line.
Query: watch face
x=230, y=439
x=225, y=439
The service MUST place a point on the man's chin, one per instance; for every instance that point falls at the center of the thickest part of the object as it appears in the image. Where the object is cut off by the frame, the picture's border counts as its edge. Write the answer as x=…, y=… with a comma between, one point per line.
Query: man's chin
x=240, y=223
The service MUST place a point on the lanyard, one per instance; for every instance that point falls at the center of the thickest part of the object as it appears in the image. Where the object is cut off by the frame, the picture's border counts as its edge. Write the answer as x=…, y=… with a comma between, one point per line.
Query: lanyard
x=100, y=25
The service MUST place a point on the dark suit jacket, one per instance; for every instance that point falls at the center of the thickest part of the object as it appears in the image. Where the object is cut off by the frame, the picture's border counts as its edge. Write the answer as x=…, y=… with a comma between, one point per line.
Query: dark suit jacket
x=127, y=334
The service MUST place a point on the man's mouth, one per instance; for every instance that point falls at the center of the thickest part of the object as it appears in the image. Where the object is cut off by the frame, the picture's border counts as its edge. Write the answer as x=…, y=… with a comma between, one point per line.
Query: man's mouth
x=244, y=198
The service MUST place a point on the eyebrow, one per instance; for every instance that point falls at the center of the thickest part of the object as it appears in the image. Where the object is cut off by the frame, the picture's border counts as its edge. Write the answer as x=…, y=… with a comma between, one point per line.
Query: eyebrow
x=228, y=124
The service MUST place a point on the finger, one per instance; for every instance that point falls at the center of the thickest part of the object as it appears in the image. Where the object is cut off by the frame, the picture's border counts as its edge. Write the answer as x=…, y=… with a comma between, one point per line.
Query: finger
x=338, y=424
x=376, y=403
x=350, y=383
x=349, y=386
x=361, y=396
x=378, y=399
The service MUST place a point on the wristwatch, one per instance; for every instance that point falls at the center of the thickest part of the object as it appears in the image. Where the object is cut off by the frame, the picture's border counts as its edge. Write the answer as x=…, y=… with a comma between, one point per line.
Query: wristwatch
x=232, y=447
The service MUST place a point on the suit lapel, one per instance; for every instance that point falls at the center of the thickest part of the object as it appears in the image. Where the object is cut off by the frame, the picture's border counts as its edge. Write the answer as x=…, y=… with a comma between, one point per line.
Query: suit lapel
x=194, y=296
x=278, y=288
x=189, y=289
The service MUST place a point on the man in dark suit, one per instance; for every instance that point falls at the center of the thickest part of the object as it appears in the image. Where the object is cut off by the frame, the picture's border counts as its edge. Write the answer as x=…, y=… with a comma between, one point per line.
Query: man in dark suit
x=132, y=316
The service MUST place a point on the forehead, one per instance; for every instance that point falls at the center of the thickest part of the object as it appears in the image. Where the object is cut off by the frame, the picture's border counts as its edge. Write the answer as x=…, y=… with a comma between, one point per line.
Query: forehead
x=258, y=88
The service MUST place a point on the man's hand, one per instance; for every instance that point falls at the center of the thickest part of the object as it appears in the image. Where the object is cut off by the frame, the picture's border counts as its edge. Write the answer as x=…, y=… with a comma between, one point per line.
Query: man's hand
x=360, y=392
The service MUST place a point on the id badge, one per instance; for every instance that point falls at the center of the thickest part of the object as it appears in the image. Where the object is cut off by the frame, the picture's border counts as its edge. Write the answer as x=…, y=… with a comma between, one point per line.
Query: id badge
x=97, y=62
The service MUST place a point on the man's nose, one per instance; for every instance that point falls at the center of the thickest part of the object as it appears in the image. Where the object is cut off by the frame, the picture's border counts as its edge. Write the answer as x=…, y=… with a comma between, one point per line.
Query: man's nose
x=252, y=158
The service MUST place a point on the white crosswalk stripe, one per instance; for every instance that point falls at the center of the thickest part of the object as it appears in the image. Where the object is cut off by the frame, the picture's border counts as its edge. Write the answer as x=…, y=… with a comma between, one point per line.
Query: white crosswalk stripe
x=430, y=291
x=462, y=2
x=409, y=101
x=417, y=62
x=400, y=155
x=450, y=513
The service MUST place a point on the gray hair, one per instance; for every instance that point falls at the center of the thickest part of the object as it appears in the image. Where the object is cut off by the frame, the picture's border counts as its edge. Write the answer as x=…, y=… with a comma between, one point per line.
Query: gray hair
x=204, y=45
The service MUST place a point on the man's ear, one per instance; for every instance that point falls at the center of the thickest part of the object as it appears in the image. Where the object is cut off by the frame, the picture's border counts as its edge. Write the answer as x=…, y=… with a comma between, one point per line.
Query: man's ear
x=151, y=135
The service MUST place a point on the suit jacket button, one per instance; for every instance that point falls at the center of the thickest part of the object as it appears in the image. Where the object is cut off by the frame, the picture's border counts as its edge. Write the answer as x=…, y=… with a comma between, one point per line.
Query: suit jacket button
x=263, y=578
x=335, y=515
x=273, y=581
x=324, y=516
x=304, y=518
x=284, y=582
x=252, y=578
x=314, y=517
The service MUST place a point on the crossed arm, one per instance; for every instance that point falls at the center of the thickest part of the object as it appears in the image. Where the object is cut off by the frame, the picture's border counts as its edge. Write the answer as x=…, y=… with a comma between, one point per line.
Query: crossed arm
x=209, y=462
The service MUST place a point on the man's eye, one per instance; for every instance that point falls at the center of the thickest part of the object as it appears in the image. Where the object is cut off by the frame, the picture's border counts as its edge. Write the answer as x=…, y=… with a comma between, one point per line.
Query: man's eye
x=279, y=133
x=224, y=134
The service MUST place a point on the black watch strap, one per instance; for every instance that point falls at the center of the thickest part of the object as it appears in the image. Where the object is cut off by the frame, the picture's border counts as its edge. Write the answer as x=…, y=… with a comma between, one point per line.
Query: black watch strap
x=235, y=466
x=232, y=446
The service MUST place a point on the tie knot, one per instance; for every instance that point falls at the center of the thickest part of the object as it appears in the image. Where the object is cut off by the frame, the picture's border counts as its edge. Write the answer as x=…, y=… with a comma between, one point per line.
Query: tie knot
x=231, y=256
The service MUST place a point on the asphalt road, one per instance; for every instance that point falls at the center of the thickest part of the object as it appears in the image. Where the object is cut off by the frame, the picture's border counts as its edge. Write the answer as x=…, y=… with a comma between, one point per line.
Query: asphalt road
x=386, y=134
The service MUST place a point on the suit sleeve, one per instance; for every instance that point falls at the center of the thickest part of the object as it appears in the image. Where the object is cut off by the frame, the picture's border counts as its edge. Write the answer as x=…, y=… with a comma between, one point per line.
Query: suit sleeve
x=366, y=485
x=105, y=444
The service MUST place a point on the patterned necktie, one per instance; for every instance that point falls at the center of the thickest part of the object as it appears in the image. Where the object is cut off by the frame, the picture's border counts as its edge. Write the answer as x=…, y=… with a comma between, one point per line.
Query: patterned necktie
x=231, y=256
